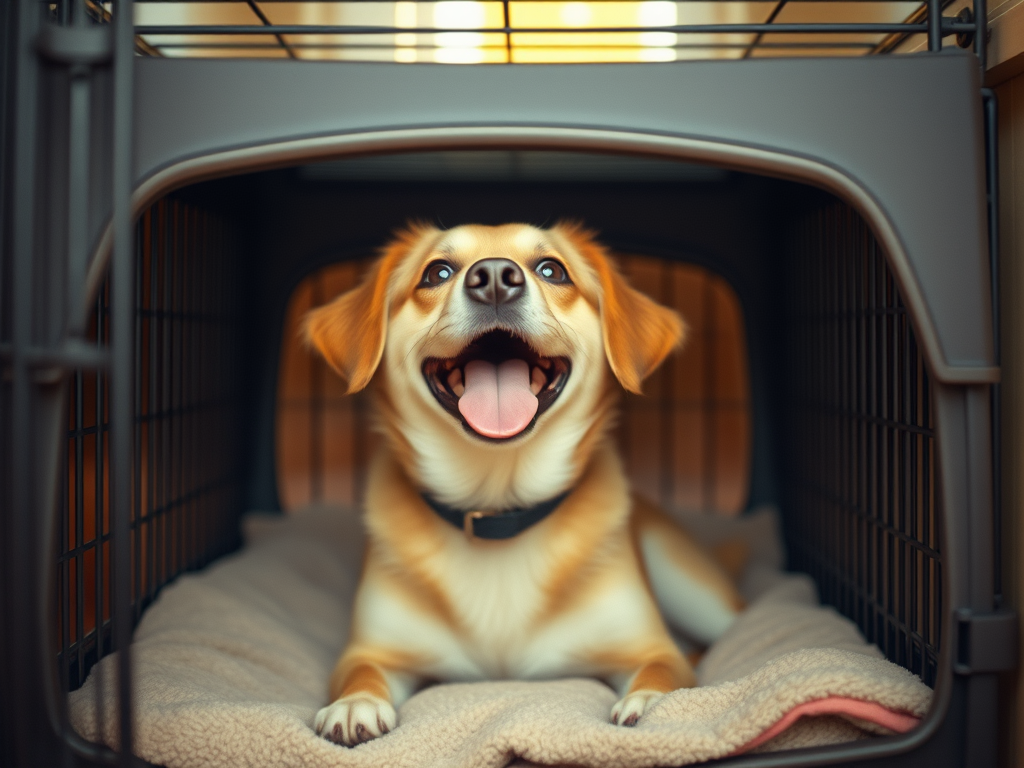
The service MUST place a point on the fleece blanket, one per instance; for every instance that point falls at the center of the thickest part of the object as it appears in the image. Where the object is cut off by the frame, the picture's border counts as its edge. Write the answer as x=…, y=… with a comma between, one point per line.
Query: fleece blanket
x=231, y=665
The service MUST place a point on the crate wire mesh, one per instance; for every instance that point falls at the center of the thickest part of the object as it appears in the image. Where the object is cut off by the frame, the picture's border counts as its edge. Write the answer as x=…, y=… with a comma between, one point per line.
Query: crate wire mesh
x=187, y=477
x=532, y=31
x=861, y=510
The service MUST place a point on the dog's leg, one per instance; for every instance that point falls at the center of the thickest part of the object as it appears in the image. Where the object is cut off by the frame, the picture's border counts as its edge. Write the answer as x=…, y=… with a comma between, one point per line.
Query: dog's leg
x=364, y=692
x=641, y=690
x=694, y=592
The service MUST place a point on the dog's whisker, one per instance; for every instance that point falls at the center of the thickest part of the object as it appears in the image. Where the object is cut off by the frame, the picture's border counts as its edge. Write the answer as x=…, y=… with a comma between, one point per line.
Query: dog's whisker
x=579, y=342
x=435, y=331
x=426, y=336
x=420, y=340
x=559, y=329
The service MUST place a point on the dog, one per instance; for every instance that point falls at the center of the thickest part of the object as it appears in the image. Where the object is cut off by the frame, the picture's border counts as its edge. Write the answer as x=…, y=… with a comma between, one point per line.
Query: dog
x=503, y=541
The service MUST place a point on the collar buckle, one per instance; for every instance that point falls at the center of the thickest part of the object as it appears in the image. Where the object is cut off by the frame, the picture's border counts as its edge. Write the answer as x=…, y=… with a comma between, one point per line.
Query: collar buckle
x=469, y=517
x=507, y=522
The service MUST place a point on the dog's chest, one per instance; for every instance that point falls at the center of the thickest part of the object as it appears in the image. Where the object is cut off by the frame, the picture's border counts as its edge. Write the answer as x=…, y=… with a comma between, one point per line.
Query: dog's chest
x=497, y=593
x=501, y=597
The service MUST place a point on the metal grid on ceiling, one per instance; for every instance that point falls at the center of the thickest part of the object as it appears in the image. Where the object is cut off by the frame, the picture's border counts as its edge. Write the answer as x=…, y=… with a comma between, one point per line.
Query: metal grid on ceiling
x=521, y=31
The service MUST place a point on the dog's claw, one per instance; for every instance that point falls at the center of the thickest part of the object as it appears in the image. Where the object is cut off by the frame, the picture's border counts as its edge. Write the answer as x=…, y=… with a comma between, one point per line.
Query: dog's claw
x=355, y=719
x=629, y=709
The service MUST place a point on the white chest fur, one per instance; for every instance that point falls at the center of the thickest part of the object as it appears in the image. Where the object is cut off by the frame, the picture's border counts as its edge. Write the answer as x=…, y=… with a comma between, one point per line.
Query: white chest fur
x=537, y=605
x=496, y=591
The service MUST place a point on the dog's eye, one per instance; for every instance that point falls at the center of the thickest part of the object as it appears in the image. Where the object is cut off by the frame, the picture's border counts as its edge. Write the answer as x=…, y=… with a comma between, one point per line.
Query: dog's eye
x=552, y=271
x=437, y=273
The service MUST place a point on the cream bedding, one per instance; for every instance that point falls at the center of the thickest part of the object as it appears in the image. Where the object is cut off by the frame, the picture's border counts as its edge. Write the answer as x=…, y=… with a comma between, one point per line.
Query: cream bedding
x=231, y=665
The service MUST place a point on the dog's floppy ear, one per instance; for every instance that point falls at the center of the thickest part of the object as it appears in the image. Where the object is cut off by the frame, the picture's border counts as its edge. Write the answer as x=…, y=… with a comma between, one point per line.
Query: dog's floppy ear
x=638, y=332
x=350, y=331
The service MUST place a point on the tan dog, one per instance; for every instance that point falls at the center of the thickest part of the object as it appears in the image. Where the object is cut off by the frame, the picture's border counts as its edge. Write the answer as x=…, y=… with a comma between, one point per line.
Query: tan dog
x=503, y=540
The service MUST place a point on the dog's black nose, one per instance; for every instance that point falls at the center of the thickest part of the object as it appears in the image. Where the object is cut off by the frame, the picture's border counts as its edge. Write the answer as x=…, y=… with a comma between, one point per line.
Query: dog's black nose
x=495, y=281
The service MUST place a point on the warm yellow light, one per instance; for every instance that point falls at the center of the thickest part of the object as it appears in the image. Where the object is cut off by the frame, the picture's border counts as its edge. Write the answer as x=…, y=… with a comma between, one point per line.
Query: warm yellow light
x=459, y=39
x=459, y=56
x=657, y=13
x=576, y=44
x=405, y=42
x=405, y=14
x=459, y=47
x=459, y=14
x=576, y=14
x=656, y=54
x=658, y=39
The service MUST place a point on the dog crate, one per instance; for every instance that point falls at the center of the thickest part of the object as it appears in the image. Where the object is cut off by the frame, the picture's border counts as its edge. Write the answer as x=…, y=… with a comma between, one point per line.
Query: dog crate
x=161, y=217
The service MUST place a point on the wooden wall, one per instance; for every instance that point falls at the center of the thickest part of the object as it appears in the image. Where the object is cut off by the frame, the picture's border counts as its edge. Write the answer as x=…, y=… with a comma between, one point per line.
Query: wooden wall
x=1011, y=190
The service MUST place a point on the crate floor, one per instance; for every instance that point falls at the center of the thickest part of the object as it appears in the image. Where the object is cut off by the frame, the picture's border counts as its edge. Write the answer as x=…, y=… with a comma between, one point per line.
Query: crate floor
x=231, y=665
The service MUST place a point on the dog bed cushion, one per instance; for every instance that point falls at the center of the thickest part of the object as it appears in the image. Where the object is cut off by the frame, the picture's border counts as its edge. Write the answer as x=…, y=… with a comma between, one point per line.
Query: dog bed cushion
x=231, y=665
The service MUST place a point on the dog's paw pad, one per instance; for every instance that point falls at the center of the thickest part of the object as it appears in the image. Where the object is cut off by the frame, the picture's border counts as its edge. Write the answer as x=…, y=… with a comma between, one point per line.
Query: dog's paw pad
x=629, y=709
x=355, y=719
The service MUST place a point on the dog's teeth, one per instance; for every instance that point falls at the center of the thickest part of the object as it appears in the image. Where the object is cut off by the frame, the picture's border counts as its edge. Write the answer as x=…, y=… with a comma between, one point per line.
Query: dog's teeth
x=456, y=383
x=544, y=363
x=537, y=380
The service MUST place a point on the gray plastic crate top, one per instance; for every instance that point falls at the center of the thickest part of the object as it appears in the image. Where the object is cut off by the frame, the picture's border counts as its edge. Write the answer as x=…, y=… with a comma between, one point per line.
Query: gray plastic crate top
x=918, y=180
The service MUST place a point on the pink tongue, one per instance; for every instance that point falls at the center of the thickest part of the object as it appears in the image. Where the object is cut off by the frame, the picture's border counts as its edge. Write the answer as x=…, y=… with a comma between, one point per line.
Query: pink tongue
x=498, y=401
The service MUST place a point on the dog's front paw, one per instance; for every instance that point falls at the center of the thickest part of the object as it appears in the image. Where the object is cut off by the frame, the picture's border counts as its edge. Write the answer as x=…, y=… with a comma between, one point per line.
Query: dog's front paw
x=629, y=709
x=354, y=719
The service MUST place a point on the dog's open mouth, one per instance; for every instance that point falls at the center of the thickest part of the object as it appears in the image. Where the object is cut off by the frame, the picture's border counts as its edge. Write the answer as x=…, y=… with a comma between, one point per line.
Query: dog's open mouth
x=498, y=385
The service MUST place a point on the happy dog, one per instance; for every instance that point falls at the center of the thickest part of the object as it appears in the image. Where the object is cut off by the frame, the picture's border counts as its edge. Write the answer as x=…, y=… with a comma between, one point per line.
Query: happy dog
x=503, y=540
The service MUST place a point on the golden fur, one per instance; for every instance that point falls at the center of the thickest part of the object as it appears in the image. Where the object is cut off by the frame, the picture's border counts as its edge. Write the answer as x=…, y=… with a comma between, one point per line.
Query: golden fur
x=577, y=593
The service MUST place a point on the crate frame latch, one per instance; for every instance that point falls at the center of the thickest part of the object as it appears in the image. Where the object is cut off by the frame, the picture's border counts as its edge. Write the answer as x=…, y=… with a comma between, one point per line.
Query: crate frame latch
x=986, y=642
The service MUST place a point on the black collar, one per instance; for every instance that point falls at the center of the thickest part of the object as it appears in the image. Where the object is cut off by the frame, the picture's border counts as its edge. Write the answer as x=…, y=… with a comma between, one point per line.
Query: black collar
x=503, y=524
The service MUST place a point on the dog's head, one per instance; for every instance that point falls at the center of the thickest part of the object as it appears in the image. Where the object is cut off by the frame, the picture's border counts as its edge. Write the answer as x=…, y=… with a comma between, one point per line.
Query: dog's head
x=490, y=339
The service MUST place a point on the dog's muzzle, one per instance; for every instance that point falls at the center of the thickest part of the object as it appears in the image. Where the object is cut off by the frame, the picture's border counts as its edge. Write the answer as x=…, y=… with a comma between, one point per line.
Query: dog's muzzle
x=498, y=385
